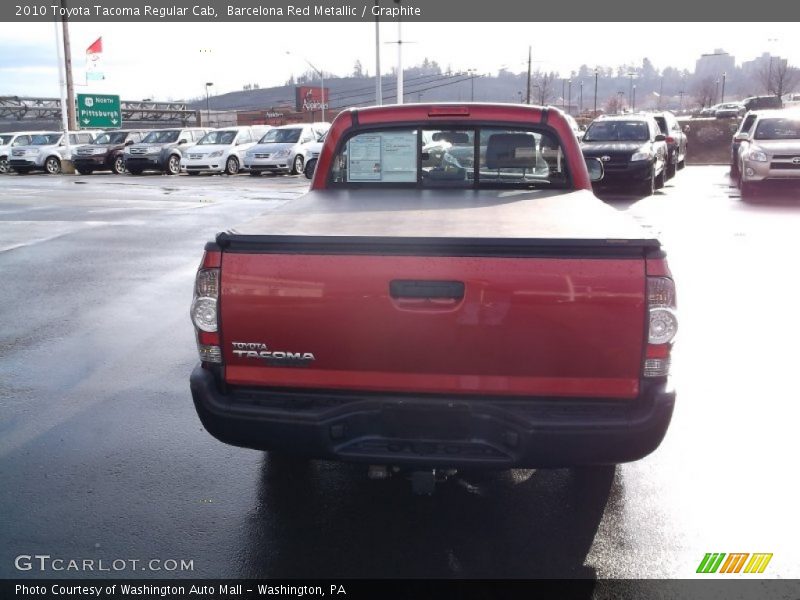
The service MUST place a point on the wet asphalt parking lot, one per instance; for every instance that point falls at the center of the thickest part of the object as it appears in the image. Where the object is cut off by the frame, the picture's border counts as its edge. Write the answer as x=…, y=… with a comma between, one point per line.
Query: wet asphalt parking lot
x=103, y=457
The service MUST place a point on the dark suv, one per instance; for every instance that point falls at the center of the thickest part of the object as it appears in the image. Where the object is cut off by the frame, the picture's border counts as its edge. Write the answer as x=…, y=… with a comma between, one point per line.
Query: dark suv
x=632, y=149
x=677, y=145
x=106, y=152
x=161, y=150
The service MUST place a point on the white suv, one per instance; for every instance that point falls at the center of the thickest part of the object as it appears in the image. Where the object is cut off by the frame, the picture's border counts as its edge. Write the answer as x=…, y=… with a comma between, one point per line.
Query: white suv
x=9, y=141
x=45, y=151
x=221, y=151
x=283, y=149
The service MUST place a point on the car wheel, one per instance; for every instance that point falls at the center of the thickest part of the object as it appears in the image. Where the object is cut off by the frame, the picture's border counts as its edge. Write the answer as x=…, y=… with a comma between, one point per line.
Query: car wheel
x=118, y=166
x=661, y=179
x=682, y=163
x=255, y=173
x=4, y=165
x=746, y=190
x=672, y=166
x=173, y=165
x=52, y=165
x=232, y=165
x=648, y=186
x=297, y=165
x=309, y=168
x=83, y=170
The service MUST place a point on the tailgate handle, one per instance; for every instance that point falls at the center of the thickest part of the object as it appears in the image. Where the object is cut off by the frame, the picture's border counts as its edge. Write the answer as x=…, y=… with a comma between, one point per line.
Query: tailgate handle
x=405, y=288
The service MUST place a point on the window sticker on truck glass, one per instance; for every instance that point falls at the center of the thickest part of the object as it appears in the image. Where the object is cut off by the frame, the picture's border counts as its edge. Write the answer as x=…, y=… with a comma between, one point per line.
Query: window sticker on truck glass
x=385, y=156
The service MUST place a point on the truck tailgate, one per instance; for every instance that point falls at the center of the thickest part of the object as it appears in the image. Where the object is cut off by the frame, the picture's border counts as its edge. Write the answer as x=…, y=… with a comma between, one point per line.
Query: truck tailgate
x=543, y=324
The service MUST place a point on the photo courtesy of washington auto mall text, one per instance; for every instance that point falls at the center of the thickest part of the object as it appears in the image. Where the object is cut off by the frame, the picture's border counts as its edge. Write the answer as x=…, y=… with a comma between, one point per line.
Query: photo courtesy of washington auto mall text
x=399, y=299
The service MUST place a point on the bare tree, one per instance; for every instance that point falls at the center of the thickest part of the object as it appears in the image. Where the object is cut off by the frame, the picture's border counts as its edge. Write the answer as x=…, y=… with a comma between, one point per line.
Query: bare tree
x=778, y=77
x=543, y=85
x=705, y=92
x=614, y=105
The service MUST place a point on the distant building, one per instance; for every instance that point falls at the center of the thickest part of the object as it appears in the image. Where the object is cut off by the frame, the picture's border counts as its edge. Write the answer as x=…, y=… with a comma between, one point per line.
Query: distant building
x=714, y=64
x=752, y=68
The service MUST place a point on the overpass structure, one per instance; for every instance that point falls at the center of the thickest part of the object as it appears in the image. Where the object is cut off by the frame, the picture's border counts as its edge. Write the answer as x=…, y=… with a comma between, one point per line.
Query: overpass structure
x=18, y=108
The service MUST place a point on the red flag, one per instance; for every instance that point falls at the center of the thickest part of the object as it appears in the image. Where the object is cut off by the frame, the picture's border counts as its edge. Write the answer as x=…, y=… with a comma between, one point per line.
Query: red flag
x=97, y=47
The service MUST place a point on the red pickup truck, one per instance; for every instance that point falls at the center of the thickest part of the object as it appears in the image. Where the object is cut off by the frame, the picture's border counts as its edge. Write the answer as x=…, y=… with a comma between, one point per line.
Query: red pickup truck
x=448, y=294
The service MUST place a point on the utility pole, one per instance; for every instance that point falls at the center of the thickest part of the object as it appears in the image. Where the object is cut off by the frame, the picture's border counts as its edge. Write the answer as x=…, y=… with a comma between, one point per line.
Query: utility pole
x=68, y=67
x=378, y=82
x=596, y=73
x=399, y=58
x=580, y=107
x=633, y=103
x=528, y=97
x=724, y=75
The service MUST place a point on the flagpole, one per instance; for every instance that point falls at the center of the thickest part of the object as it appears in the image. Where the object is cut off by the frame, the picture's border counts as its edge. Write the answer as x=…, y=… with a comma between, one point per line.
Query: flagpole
x=68, y=68
x=66, y=163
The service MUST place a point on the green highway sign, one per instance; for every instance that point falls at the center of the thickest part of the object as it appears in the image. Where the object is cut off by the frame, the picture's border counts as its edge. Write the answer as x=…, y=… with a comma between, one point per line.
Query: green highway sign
x=99, y=111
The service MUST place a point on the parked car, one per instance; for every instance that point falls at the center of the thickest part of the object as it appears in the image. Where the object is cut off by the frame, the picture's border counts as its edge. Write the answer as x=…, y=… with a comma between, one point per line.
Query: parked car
x=9, y=141
x=791, y=101
x=161, y=150
x=106, y=152
x=313, y=151
x=632, y=149
x=762, y=103
x=742, y=134
x=429, y=317
x=46, y=150
x=729, y=110
x=221, y=151
x=283, y=149
x=576, y=129
x=677, y=142
x=772, y=150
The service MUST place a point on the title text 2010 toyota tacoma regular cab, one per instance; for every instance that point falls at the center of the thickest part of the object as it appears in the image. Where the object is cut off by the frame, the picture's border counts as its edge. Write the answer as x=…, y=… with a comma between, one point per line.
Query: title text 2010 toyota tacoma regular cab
x=448, y=294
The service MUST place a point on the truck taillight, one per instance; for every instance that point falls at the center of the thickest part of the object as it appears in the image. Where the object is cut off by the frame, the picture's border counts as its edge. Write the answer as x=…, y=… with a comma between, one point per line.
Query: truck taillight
x=662, y=326
x=204, y=309
x=670, y=139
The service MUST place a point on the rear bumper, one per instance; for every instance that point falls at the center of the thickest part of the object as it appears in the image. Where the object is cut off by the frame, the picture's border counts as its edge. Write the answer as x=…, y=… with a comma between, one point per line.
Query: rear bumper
x=434, y=431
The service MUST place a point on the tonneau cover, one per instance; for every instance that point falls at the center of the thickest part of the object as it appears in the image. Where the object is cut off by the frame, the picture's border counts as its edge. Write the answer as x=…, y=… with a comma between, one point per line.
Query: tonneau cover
x=544, y=215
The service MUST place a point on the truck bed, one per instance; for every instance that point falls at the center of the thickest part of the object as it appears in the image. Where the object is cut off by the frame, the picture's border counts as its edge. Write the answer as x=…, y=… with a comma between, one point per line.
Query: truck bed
x=483, y=218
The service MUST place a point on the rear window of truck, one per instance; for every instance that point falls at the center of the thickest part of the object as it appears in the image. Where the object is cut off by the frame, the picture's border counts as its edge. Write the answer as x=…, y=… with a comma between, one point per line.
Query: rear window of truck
x=451, y=158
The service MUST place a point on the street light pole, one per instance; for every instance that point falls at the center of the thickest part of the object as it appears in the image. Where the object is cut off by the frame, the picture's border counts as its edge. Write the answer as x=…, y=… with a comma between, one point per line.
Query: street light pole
x=208, y=109
x=633, y=103
x=724, y=75
x=569, y=96
x=378, y=82
x=580, y=107
x=630, y=92
x=596, y=73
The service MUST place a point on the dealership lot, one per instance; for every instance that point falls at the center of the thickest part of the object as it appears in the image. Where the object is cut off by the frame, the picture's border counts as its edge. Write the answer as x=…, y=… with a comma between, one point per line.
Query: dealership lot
x=104, y=458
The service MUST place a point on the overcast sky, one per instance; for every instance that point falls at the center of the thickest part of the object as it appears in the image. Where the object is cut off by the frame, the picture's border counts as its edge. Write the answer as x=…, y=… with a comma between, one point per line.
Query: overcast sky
x=164, y=60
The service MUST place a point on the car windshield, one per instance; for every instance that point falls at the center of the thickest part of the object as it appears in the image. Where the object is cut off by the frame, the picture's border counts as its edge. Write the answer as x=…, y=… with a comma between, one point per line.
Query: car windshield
x=218, y=137
x=281, y=136
x=474, y=157
x=111, y=138
x=778, y=129
x=45, y=139
x=617, y=131
x=162, y=137
x=5, y=140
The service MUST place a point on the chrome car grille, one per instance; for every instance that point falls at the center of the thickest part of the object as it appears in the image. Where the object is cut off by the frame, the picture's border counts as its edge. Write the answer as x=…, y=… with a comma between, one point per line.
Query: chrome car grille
x=138, y=150
x=262, y=155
